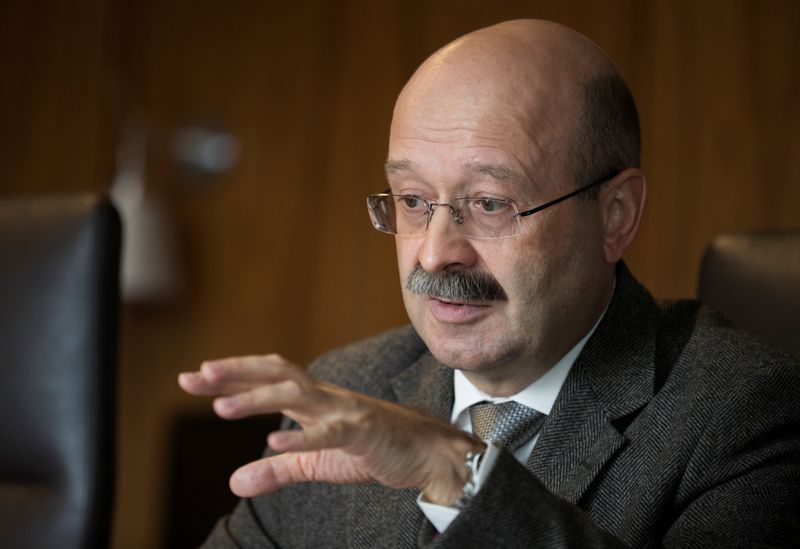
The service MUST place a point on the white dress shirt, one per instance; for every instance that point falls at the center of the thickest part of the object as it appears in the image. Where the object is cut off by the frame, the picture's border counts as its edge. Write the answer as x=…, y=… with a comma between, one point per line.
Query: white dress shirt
x=539, y=395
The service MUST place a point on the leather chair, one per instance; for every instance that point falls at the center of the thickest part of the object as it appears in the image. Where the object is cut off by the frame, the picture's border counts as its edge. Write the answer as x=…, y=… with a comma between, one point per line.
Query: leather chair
x=754, y=279
x=59, y=260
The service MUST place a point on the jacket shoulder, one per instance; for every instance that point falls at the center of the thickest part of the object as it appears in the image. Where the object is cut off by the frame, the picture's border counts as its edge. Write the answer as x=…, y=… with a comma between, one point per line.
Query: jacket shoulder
x=359, y=365
x=712, y=341
x=723, y=363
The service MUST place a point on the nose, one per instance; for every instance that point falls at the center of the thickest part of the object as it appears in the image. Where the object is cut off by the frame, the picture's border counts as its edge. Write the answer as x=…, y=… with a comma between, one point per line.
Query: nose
x=455, y=214
x=444, y=246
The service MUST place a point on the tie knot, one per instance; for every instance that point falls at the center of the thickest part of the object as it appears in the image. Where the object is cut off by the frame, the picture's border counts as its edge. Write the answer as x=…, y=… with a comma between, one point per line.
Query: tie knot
x=509, y=424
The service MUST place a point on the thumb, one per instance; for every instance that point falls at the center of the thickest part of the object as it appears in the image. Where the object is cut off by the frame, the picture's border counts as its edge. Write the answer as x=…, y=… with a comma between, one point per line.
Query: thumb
x=267, y=475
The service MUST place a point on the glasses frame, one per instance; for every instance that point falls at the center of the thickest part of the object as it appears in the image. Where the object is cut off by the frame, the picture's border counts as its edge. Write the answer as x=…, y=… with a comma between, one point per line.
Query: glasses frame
x=517, y=215
x=567, y=196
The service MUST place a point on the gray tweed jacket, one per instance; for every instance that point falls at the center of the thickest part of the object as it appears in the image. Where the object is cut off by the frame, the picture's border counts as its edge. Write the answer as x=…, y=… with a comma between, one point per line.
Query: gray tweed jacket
x=673, y=429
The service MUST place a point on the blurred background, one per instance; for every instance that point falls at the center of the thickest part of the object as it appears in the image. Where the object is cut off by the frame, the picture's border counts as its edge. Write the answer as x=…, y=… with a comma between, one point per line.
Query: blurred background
x=240, y=138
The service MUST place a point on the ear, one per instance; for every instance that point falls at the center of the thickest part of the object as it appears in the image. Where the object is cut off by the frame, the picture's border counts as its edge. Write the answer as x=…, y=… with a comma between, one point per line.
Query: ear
x=622, y=202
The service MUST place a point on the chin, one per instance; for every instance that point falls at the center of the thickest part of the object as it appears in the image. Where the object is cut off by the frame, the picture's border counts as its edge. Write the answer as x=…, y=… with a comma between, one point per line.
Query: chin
x=467, y=357
x=463, y=346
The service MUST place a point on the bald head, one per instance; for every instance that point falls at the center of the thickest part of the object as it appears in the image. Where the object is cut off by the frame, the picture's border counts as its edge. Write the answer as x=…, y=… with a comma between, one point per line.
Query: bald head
x=521, y=52
x=561, y=92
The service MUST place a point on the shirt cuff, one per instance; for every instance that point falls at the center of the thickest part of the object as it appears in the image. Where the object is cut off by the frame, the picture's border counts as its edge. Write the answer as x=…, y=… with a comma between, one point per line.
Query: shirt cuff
x=442, y=515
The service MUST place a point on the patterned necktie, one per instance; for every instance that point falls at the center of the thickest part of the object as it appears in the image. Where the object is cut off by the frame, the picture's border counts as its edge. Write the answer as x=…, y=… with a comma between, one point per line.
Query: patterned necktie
x=508, y=425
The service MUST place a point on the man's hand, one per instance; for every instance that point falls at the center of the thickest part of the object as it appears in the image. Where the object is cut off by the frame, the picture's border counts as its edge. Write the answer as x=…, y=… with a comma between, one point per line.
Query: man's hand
x=346, y=437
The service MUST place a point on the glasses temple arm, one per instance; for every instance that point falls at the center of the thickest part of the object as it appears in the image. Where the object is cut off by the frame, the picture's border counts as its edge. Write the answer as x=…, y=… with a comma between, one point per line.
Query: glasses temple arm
x=566, y=196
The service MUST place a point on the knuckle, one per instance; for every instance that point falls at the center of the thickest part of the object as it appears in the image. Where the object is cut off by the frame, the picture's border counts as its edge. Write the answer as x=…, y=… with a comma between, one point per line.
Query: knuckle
x=335, y=430
x=308, y=466
x=277, y=364
x=212, y=370
x=227, y=406
x=276, y=358
x=292, y=389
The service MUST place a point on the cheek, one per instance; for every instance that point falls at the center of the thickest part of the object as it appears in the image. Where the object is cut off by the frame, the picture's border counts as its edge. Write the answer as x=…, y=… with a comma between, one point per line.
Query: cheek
x=509, y=264
x=557, y=260
x=525, y=266
x=406, y=258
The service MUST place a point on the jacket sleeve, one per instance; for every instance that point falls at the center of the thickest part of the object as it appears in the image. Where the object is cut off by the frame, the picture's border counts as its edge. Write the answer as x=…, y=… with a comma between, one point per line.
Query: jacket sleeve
x=531, y=517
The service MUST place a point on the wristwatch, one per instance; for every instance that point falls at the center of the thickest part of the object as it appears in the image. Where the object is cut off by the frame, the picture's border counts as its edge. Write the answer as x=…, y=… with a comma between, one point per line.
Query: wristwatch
x=472, y=462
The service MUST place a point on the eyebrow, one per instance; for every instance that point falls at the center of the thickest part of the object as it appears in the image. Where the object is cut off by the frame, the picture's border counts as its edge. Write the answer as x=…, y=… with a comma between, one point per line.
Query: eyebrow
x=393, y=167
x=498, y=172
x=495, y=171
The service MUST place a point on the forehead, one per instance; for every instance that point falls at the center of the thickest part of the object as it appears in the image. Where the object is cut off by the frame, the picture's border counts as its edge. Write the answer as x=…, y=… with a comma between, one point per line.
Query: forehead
x=507, y=129
x=468, y=148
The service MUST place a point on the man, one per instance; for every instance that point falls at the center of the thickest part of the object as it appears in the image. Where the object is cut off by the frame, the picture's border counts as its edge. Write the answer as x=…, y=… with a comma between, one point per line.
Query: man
x=514, y=191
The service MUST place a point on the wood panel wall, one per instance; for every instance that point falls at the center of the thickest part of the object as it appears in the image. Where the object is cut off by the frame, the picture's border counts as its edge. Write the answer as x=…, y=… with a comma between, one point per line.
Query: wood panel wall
x=278, y=254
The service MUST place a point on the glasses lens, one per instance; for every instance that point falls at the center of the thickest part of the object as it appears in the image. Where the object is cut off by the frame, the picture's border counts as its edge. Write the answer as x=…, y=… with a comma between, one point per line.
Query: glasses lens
x=486, y=217
x=403, y=215
x=410, y=213
x=381, y=212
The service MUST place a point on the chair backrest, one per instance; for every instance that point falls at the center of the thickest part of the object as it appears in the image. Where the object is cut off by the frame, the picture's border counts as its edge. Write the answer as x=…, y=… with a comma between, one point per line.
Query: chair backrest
x=754, y=279
x=59, y=260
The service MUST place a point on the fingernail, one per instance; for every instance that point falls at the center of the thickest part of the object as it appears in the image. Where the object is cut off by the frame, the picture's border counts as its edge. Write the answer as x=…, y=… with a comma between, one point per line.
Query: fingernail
x=184, y=376
x=278, y=439
x=225, y=404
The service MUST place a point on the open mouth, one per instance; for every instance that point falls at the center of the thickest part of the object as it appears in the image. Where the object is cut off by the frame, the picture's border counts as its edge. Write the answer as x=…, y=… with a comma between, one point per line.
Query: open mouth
x=461, y=303
x=457, y=312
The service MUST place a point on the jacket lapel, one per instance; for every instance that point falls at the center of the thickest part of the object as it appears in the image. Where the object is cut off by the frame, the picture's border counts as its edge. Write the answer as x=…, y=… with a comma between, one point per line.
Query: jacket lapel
x=426, y=386
x=577, y=439
x=612, y=378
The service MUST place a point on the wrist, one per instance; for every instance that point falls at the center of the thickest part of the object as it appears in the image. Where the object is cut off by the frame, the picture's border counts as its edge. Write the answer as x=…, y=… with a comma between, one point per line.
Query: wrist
x=472, y=462
x=453, y=480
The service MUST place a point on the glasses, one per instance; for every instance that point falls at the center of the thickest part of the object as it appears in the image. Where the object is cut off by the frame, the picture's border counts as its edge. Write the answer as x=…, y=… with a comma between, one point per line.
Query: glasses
x=480, y=217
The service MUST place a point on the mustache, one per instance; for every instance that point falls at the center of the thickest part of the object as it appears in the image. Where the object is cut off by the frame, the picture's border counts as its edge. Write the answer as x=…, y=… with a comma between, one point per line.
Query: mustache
x=456, y=285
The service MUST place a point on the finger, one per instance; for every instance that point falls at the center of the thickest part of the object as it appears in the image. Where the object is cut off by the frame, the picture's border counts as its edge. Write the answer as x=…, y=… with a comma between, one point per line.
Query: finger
x=194, y=383
x=237, y=374
x=250, y=369
x=315, y=437
x=268, y=398
x=267, y=475
x=253, y=368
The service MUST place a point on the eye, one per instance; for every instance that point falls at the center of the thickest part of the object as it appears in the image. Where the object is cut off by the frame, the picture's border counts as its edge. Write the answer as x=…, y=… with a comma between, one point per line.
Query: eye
x=490, y=205
x=412, y=202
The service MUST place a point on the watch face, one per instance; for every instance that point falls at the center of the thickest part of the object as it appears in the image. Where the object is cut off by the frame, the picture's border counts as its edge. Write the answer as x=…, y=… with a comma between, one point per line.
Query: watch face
x=473, y=462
